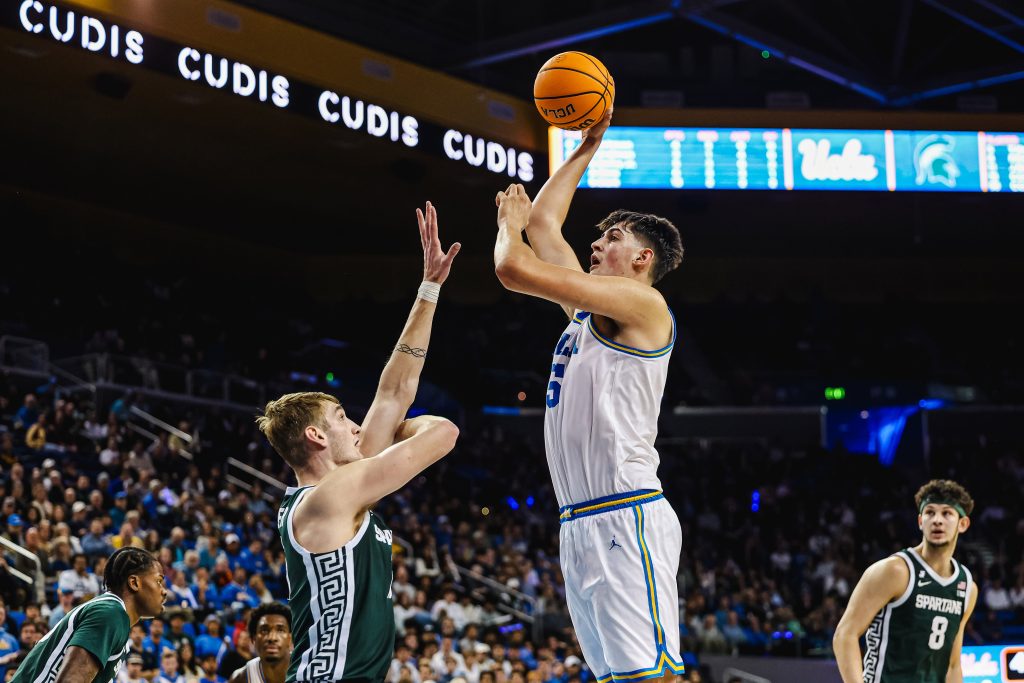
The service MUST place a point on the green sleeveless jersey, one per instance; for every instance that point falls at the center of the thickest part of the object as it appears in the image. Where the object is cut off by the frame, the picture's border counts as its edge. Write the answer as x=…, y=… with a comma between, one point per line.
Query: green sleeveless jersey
x=343, y=621
x=911, y=639
x=99, y=626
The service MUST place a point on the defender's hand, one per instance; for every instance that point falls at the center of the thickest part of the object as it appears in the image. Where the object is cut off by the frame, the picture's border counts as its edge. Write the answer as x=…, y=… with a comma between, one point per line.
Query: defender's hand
x=514, y=207
x=436, y=263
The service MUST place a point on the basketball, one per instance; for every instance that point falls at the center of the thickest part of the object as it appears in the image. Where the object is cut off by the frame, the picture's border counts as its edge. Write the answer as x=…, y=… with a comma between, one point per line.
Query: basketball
x=573, y=90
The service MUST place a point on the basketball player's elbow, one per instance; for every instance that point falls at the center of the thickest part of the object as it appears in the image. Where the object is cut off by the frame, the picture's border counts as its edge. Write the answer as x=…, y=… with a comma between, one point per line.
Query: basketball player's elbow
x=448, y=434
x=843, y=637
x=510, y=271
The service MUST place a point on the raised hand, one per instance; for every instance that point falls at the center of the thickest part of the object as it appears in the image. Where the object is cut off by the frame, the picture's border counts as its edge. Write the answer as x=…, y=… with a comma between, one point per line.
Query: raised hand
x=596, y=131
x=436, y=263
x=514, y=207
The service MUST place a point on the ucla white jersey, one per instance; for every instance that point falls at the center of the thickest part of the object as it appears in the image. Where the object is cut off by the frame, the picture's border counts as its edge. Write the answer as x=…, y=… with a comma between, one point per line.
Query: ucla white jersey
x=603, y=401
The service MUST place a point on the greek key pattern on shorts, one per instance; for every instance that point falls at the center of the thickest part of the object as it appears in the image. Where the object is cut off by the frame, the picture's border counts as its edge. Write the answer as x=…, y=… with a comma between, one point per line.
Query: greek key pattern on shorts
x=332, y=588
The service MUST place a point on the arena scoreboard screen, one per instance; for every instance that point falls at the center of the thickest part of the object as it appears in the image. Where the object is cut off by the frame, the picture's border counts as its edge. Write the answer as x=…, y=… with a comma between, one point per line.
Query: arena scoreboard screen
x=993, y=663
x=800, y=159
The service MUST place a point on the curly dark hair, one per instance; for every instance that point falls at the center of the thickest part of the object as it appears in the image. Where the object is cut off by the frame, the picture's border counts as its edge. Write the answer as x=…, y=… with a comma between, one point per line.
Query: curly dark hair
x=123, y=563
x=265, y=609
x=656, y=232
x=945, y=490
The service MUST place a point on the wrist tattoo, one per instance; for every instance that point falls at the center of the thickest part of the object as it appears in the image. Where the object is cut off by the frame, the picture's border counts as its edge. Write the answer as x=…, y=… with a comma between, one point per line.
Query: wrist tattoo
x=411, y=350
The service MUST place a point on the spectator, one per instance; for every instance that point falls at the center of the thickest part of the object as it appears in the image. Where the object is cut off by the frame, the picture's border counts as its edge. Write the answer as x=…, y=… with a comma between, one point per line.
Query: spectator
x=258, y=588
x=96, y=543
x=401, y=584
x=450, y=606
x=10, y=648
x=208, y=664
x=251, y=558
x=237, y=593
x=35, y=438
x=78, y=578
x=132, y=670
x=32, y=632
x=189, y=664
x=242, y=651
x=212, y=642
x=15, y=529
x=66, y=596
x=178, y=637
x=169, y=667
x=110, y=457
x=155, y=643
x=118, y=512
x=205, y=591
x=181, y=592
x=28, y=413
x=997, y=598
x=150, y=662
x=712, y=640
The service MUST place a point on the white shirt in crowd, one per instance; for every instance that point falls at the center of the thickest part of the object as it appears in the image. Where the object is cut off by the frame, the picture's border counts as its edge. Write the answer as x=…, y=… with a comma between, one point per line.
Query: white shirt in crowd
x=80, y=585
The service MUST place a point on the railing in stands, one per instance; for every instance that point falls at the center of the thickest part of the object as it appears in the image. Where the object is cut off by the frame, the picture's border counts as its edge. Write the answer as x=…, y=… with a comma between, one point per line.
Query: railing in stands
x=39, y=582
x=21, y=352
x=253, y=472
x=154, y=421
x=534, y=618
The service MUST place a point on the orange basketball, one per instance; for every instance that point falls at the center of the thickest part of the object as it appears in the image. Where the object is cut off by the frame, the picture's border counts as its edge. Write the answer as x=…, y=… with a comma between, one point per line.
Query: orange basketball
x=573, y=90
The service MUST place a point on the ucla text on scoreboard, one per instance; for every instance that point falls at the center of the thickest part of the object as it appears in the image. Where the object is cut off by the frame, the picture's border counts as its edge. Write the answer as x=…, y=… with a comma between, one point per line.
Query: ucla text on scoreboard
x=262, y=85
x=800, y=159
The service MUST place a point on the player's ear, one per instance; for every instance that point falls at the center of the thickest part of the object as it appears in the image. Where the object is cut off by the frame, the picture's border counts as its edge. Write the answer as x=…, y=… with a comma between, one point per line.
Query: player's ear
x=964, y=524
x=920, y=524
x=133, y=582
x=645, y=256
x=315, y=435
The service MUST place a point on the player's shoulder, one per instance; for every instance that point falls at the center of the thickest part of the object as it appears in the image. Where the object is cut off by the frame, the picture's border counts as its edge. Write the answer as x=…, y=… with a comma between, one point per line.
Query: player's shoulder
x=106, y=604
x=893, y=568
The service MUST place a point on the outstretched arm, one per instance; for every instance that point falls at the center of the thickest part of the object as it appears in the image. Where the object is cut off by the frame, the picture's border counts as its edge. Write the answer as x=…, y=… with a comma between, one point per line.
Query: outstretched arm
x=625, y=301
x=551, y=205
x=401, y=375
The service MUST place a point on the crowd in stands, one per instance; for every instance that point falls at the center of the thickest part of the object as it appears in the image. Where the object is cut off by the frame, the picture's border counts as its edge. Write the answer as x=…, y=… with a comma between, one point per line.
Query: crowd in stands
x=180, y=325
x=775, y=539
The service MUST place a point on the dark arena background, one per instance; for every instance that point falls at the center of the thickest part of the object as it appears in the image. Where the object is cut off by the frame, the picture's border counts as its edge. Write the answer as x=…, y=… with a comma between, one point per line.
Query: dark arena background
x=208, y=204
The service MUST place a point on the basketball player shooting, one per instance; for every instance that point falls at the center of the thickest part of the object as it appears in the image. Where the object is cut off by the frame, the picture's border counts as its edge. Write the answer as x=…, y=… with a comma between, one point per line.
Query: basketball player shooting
x=620, y=539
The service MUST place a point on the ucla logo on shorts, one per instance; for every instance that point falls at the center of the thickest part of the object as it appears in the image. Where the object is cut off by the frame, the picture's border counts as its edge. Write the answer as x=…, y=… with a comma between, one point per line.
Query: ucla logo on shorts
x=383, y=535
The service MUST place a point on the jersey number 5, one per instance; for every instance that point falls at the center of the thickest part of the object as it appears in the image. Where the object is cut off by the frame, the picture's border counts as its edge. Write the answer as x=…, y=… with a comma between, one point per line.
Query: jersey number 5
x=557, y=372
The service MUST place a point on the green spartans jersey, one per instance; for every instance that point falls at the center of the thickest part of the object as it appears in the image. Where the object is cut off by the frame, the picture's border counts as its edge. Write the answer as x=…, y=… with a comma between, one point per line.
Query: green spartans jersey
x=99, y=626
x=911, y=639
x=343, y=621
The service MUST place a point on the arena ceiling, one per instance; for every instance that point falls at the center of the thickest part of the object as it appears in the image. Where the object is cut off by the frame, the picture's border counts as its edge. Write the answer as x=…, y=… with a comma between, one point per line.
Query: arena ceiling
x=131, y=159
x=944, y=54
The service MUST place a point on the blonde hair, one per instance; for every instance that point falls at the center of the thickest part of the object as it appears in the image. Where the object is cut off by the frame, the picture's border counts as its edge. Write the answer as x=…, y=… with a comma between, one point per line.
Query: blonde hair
x=284, y=422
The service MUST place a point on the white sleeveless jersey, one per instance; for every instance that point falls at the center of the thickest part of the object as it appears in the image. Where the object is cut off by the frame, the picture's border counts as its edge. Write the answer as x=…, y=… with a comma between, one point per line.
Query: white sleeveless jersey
x=603, y=401
x=253, y=671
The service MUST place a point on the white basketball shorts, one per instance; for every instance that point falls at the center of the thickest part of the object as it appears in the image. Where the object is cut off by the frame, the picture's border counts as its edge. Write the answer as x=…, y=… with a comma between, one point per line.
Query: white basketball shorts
x=620, y=557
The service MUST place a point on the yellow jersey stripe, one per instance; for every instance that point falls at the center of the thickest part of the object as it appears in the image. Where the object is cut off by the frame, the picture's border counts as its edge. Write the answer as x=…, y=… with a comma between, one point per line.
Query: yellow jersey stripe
x=656, y=353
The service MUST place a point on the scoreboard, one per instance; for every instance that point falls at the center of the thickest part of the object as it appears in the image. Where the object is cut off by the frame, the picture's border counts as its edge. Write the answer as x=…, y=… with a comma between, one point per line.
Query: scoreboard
x=799, y=159
x=992, y=663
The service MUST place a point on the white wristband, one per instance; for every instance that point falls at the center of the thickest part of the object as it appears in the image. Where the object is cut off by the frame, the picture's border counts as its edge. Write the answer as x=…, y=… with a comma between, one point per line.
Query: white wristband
x=429, y=291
